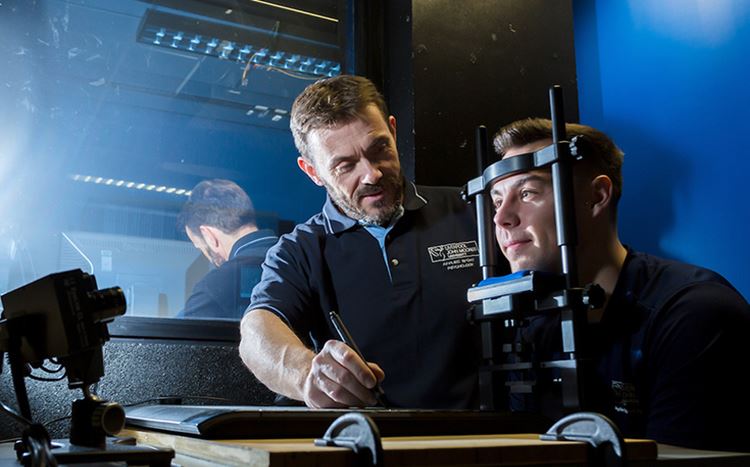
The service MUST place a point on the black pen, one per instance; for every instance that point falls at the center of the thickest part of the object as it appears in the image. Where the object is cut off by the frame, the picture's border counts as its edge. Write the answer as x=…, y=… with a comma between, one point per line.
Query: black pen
x=347, y=339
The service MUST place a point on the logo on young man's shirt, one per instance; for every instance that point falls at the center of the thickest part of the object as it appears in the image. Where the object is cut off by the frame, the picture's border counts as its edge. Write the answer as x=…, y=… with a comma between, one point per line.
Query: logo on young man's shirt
x=457, y=255
x=625, y=398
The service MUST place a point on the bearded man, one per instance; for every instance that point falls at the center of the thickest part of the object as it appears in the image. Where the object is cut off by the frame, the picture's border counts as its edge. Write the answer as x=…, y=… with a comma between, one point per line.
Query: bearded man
x=392, y=258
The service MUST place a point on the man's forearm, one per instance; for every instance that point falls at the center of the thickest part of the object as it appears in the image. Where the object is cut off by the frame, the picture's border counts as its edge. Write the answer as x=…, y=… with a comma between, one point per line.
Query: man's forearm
x=275, y=355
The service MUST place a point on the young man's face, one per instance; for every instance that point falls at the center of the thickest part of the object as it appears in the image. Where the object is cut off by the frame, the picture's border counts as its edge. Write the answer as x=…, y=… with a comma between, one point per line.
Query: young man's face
x=525, y=218
x=358, y=164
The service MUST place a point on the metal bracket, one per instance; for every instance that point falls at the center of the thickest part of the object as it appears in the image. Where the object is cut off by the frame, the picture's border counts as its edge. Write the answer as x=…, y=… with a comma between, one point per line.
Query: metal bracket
x=596, y=430
x=359, y=433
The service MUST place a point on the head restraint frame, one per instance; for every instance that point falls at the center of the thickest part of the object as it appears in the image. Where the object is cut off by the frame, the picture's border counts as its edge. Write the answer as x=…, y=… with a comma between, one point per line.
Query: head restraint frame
x=523, y=163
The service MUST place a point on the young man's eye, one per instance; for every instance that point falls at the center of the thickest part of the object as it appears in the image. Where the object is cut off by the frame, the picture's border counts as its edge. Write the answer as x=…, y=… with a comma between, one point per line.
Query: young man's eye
x=525, y=194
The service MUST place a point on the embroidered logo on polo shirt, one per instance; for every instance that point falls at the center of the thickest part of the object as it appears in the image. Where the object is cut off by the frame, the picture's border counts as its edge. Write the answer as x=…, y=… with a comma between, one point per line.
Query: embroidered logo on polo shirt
x=457, y=255
x=625, y=398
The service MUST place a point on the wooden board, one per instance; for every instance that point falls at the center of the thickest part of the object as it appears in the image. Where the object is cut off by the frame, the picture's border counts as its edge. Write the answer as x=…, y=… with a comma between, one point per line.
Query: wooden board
x=499, y=450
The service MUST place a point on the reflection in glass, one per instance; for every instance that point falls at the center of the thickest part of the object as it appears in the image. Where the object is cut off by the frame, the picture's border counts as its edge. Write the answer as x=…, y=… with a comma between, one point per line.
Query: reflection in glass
x=113, y=110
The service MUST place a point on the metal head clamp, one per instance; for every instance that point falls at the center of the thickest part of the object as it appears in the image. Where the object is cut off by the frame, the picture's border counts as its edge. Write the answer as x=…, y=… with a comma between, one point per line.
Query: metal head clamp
x=525, y=163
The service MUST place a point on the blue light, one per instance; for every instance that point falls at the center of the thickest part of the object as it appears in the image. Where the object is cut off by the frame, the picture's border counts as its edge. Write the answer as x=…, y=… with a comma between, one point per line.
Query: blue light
x=242, y=53
x=159, y=36
x=194, y=42
x=226, y=50
x=176, y=39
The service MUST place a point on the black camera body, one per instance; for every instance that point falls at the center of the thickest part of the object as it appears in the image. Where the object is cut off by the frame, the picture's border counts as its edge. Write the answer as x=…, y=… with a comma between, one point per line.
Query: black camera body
x=63, y=316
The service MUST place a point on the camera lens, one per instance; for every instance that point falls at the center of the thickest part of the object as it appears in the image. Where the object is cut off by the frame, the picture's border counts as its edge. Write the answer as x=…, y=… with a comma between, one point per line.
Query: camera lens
x=106, y=304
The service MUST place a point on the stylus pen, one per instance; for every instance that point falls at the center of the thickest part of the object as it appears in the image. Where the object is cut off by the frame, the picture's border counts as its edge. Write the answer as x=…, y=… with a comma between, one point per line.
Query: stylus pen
x=347, y=339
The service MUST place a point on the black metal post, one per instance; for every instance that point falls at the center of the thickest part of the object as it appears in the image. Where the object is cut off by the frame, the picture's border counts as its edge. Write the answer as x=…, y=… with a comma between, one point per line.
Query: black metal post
x=485, y=236
x=562, y=181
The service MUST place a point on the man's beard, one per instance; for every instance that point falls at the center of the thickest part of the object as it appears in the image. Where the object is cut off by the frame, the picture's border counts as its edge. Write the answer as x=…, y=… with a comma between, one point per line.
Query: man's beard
x=215, y=258
x=391, y=186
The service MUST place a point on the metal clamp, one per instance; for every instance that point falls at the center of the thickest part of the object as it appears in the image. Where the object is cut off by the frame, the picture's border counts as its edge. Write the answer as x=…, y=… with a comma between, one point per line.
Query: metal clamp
x=596, y=430
x=359, y=433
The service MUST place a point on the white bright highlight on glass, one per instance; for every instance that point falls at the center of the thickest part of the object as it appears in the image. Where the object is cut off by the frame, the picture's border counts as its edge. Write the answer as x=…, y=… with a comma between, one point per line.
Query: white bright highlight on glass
x=129, y=184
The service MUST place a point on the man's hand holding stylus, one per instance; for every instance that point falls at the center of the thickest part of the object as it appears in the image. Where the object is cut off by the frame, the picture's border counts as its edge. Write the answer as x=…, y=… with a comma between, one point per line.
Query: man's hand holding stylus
x=338, y=377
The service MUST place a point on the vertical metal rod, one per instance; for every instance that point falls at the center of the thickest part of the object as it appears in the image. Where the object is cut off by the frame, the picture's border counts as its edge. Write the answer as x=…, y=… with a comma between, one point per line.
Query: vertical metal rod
x=562, y=181
x=17, y=370
x=573, y=318
x=485, y=237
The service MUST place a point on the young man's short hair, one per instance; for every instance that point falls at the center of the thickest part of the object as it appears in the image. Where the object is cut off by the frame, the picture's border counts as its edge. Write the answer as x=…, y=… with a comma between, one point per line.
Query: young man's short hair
x=217, y=203
x=600, y=152
x=328, y=102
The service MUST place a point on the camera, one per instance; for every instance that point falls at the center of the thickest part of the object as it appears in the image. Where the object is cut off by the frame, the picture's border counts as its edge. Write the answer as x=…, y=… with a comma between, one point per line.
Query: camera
x=63, y=316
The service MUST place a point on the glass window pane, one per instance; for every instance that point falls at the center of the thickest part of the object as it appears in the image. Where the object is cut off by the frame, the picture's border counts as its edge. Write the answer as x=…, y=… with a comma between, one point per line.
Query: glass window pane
x=112, y=111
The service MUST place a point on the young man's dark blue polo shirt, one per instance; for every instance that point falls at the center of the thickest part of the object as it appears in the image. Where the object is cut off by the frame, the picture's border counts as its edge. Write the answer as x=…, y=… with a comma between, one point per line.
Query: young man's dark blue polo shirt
x=412, y=322
x=670, y=356
x=225, y=292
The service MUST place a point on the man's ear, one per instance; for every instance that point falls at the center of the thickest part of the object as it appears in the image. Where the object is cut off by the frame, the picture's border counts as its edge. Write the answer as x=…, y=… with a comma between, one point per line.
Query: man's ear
x=601, y=194
x=210, y=236
x=392, y=125
x=309, y=169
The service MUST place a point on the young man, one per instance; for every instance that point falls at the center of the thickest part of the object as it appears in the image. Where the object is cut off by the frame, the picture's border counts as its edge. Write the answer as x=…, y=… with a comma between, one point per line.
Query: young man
x=220, y=221
x=669, y=345
x=392, y=258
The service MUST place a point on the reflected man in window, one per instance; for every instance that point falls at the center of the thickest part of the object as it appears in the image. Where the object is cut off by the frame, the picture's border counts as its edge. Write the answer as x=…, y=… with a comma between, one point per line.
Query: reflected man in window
x=219, y=219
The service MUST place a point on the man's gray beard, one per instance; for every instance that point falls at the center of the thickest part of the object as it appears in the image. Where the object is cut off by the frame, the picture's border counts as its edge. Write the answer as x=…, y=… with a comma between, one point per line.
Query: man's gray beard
x=382, y=218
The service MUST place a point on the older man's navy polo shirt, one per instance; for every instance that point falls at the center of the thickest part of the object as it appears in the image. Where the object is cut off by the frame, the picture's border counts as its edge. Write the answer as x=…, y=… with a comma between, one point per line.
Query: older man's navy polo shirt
x=413, y=323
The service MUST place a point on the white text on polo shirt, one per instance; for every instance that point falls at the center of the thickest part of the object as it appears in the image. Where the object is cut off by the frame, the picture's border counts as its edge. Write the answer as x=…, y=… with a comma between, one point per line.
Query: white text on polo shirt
x=457, y=255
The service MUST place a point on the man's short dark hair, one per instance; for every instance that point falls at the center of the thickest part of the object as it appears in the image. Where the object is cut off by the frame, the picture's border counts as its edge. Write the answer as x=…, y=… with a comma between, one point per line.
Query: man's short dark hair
x=328, y=102
x=217, y=203
x=600, y=152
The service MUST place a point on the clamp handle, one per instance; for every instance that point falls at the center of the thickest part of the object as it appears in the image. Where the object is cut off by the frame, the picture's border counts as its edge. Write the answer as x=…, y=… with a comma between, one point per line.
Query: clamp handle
x=595, y=429
x=359, y=433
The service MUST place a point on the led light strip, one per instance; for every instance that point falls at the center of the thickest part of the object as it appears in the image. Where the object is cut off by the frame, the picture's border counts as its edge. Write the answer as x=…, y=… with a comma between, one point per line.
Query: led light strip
x=238, y=52
x=128, y=184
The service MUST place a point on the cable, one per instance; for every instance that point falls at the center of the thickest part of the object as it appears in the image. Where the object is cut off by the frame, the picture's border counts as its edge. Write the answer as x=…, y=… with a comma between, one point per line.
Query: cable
x=39, y=378
x=14, y=415
x=17, y=367
x=246, y=71
x=56, y=420
x=249, y=64
x=293, y=75
x=50, y=370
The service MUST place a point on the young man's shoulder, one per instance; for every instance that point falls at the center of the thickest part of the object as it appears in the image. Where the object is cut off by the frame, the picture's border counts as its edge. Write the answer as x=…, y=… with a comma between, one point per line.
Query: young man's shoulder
x=662, y=281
